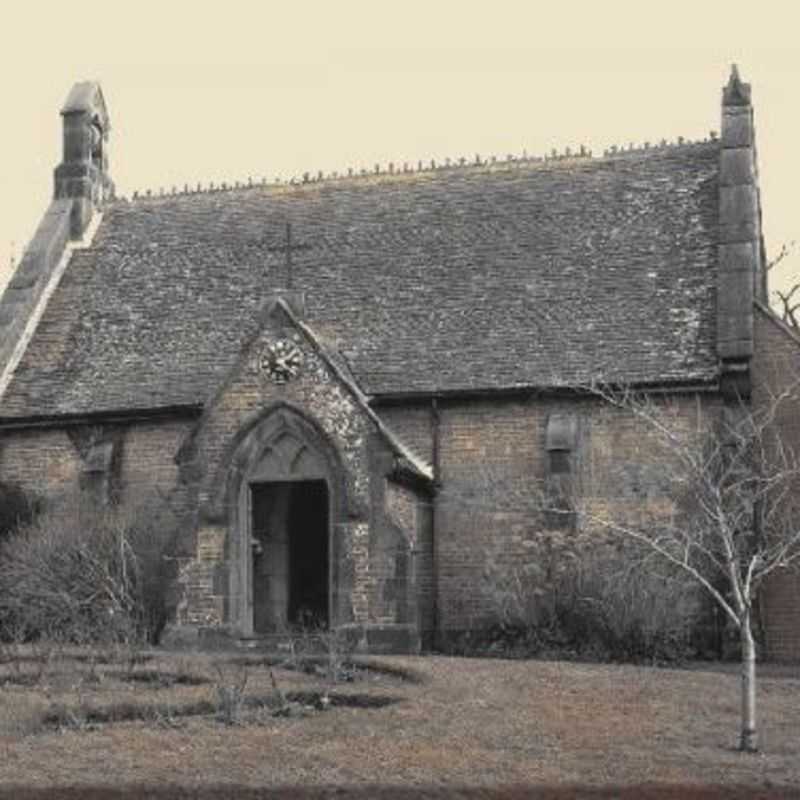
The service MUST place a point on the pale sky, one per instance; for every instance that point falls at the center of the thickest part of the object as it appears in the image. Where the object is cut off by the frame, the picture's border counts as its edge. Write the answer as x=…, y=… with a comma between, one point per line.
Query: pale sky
x=201, y=92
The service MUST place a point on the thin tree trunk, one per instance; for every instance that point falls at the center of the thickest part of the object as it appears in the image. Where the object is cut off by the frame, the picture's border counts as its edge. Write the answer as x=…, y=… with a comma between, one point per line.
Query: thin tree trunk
x=749, y=737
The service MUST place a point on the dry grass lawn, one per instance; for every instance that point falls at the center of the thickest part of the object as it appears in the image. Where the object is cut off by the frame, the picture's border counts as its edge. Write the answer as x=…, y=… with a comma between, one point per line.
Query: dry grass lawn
x=469, y=728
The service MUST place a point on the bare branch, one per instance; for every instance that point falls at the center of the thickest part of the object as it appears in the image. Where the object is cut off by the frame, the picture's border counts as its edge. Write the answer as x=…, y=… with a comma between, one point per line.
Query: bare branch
x=656, y=545
x=785, y=251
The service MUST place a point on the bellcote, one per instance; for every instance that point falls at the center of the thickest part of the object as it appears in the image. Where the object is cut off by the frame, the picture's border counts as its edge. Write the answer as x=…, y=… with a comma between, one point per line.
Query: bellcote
x=83, y=172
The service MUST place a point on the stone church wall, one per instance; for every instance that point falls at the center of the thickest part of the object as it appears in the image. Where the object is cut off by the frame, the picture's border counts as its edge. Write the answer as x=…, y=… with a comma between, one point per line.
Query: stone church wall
x=414, y=425
x=401, y=552
x=777, y=369
x=493, y=454
x=39, y=460
x=148, y=457
x=52, y=461
x=384, y=532
x=489, y=452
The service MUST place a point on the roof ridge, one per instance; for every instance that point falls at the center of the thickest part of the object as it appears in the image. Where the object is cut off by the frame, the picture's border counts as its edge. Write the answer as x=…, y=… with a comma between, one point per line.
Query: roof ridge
x=663, y=144
x=395, y=169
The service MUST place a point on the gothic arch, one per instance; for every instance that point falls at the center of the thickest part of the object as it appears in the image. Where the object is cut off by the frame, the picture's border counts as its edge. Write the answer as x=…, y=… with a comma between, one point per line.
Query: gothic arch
x=262, y=433
x=281, y=444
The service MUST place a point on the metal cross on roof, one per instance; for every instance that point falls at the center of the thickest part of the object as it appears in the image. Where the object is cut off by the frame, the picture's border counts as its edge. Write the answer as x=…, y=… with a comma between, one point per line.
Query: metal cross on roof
x=288, y=248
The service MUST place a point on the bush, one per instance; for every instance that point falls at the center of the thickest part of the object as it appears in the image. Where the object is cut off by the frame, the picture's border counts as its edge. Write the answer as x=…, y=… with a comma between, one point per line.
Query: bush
x=89, y=573
x=599, y=601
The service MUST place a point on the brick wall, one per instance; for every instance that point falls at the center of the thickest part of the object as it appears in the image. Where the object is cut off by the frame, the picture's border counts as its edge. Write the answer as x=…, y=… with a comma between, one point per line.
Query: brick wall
x=488, y=455
x=413, y=424
x=493, y=456
x=148, y=457
x=776, y=369
x=49, y=461
x=42, y=461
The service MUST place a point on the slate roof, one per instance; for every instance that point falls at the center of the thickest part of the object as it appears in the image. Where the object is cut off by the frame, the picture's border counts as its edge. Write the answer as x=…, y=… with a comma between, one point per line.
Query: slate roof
x=521, y=274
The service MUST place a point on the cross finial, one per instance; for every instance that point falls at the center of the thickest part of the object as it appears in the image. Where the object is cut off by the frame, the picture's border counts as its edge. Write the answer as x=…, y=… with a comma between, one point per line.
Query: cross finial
x=287, y=249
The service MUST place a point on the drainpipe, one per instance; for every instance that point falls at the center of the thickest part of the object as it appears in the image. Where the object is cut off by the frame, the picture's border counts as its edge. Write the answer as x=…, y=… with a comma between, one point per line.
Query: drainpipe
x=435, y=422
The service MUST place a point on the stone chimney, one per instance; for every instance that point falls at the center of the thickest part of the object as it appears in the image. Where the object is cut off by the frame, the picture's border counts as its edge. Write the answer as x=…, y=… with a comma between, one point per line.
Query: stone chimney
x=82, y=174
x=741, y=271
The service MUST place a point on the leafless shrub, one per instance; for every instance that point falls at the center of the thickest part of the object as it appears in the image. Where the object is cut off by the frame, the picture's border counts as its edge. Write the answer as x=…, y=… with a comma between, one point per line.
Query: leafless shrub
x=278, y=698
x=325, y=652
x=338, y=650
x=96, y=574
x=229, y=692
x=593, y=599
x=12, y=650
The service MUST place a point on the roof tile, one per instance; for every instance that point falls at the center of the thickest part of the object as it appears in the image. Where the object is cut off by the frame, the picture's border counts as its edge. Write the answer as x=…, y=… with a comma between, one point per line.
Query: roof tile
x=489, y=276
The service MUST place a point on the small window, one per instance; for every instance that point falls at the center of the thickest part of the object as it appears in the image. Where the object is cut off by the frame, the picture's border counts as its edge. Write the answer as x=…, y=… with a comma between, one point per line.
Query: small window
x=560, y=445
x=95, y=479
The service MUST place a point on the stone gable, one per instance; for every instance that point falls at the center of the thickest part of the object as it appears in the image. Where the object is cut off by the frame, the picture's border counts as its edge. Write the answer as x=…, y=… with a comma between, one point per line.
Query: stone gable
x=287, y=413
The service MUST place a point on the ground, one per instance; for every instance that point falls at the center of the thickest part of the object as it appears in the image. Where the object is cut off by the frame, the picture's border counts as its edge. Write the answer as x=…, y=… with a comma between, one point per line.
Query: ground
x=464, y=728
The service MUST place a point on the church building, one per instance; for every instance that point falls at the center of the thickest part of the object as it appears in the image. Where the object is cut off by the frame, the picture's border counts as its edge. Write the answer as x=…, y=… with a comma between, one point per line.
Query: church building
x=303, y=369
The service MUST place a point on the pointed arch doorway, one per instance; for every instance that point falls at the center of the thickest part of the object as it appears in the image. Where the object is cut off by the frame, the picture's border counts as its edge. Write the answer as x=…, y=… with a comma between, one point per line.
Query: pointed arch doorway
x=287, y=489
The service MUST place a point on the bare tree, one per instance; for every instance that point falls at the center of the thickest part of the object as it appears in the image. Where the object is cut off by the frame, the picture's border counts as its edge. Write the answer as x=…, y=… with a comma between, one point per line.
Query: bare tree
x=727, y=515
x=736, y=518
